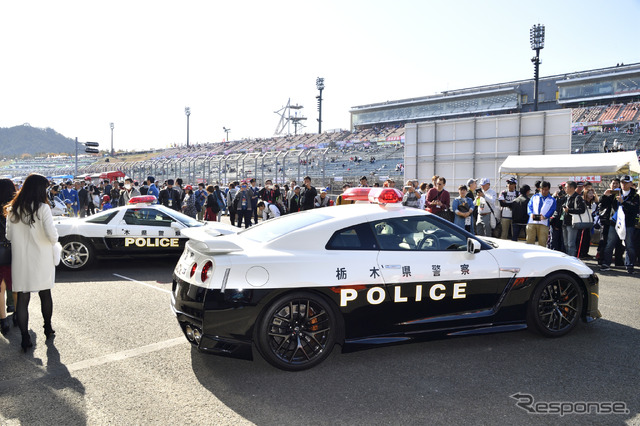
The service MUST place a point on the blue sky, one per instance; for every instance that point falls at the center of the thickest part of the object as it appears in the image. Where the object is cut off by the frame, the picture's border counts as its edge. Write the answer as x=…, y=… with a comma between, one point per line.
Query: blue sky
x=76, y=66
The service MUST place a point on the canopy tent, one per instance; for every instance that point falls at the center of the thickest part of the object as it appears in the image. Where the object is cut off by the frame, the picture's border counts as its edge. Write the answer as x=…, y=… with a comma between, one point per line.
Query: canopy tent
x=112, y=175
x=612, y=163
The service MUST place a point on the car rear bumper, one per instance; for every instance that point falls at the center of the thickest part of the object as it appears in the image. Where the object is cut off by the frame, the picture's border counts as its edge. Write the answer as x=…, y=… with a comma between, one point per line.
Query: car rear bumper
x=216, y=322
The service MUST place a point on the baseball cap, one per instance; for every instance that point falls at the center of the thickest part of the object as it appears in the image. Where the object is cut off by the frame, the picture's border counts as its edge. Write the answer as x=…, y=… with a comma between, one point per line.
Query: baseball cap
x=580, y=183
x=323, y=190
x=470, y=181
x=512, y=180
x=170, y=182
x=626, y=179
x=484, y=181
x=296, y=187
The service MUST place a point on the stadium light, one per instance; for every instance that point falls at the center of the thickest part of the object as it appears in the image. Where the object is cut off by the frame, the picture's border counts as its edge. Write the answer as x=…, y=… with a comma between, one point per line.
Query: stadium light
x=320, y=87
x=187, y=112
x=536, y=37
x=111, y=126
x=227, y=132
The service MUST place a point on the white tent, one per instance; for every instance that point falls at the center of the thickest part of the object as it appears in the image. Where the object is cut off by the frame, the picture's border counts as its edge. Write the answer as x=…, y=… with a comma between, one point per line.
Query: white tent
x=612, y=163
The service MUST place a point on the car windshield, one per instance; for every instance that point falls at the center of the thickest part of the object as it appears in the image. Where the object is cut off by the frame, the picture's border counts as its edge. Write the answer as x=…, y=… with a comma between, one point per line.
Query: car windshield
x=274, y=228
x=189, y=221
x=102, y=217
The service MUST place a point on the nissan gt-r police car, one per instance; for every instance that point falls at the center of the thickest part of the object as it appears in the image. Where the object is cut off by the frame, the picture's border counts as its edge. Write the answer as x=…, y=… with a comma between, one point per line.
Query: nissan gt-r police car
x=139, y=229
x=363, y=275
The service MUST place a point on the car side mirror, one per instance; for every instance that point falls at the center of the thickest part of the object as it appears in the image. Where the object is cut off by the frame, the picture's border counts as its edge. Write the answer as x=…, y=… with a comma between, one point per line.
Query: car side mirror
x=473, y=246
x=176, y=225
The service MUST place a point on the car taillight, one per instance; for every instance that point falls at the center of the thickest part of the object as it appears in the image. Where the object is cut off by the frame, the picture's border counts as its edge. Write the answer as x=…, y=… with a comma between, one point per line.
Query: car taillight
x=205, y=271
x=193, y=270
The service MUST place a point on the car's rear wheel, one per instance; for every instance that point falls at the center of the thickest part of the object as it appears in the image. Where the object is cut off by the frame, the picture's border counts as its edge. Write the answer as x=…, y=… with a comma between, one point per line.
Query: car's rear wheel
x=76, y=254
x=555, y=306
x=297, y=331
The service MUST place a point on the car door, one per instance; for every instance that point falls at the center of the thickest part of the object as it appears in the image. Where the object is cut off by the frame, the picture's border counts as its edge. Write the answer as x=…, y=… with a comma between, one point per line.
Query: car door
x=146, y=230
x=431, y=279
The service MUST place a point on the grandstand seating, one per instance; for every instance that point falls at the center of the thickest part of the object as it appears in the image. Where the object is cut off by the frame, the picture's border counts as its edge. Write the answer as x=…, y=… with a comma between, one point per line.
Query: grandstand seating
x=593, y=113
x=577, y=114
x=610, y=113
x=629, y=112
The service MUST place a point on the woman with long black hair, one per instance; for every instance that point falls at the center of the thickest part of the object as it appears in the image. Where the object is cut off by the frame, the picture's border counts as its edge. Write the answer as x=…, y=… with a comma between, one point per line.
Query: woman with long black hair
x=32, y=234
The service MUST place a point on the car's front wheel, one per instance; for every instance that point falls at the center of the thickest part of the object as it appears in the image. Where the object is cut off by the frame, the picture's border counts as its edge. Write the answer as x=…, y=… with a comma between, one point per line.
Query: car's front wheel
x=76, y=254
x=297, y=331
x=556, y=305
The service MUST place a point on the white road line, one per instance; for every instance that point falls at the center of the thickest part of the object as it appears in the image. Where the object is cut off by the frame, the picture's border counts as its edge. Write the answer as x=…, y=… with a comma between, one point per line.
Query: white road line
x=140, y=282
x=119, y=356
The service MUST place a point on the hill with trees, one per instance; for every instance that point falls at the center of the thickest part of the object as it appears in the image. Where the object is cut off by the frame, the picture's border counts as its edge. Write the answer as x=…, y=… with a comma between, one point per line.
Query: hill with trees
x=18, y=140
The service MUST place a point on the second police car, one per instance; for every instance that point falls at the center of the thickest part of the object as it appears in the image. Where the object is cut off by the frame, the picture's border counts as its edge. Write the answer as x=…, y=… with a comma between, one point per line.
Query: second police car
x=363, y=275
x=139, y=229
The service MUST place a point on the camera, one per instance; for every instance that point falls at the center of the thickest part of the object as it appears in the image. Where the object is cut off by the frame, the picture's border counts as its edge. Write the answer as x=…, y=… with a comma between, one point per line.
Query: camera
x=537, y=217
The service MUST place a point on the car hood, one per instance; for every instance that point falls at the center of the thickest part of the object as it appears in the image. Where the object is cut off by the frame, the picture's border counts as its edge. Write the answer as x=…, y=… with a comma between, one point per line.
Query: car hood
x=534, y=260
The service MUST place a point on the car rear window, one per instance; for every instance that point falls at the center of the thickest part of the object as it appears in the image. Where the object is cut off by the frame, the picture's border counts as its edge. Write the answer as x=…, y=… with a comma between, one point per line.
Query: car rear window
x=274, y=228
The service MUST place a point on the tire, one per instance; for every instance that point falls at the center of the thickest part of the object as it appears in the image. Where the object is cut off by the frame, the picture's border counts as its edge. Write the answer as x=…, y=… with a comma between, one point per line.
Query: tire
x=76, y=254
x=555, y=307
x=297, y=331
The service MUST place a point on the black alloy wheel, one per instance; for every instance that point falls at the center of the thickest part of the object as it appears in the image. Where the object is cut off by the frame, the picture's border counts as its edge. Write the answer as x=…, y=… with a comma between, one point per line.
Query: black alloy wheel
x=297, y=332
x=556, y=305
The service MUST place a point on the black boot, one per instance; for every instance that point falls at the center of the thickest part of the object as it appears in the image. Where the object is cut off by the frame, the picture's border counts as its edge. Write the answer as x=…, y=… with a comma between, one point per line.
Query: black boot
x=48, y=331
x=14, y=317
x=4, y=326
x=26, y=342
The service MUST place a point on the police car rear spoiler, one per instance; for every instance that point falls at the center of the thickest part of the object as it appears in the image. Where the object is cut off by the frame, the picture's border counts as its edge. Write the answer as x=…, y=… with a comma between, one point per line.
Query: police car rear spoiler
x=206, y=239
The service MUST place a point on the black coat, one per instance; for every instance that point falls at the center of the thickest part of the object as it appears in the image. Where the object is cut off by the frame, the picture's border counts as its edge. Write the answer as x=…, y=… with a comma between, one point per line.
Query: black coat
x=172, y=195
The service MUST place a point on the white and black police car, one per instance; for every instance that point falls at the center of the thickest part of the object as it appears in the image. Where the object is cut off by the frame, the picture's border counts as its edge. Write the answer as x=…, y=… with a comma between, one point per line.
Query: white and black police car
x=366, y=275
x=139, y=229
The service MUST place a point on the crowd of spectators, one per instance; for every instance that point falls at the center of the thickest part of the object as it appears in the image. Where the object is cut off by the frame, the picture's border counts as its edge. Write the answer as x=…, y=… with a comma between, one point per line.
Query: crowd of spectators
x=564, y=220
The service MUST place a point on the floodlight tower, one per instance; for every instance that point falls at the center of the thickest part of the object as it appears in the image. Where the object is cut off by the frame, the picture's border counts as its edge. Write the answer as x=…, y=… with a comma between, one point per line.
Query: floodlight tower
x=536, y=37
x=320, y=87
x=111, y=126
x=226, y=131
x=187, y=112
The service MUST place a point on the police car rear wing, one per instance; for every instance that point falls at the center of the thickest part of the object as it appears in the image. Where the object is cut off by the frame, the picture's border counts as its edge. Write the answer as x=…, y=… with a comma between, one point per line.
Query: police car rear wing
x=206, y=240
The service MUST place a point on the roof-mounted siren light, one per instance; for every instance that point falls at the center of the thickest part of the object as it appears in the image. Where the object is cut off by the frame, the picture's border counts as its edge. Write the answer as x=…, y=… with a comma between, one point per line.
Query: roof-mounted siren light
x=373, y=195
x=143, y=199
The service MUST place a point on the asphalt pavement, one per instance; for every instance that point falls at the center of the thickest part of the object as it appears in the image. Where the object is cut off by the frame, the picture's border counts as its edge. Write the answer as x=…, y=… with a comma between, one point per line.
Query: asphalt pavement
x=119, y=357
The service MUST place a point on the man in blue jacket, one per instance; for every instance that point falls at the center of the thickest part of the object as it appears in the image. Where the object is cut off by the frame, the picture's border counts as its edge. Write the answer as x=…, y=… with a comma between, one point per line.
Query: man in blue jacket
x=540, y=208
x=69, y=193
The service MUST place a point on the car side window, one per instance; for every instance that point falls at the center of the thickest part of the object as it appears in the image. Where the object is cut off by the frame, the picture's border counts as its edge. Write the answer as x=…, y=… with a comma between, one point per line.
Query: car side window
x=147, y=217
x=153, y=217
x=417, y=233
x=356, y=237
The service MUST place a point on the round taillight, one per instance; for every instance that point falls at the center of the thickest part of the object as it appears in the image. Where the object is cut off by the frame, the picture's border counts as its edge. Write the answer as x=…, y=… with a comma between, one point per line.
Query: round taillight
x=205, y=271
x=193, y=270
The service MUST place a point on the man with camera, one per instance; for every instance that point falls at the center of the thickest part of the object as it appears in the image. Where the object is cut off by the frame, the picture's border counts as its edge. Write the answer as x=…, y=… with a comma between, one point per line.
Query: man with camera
x=604, y=210
x=627, y=203
x=411, y=198
x=540, y=209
